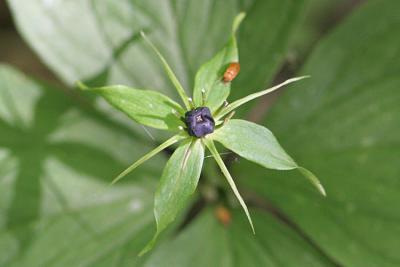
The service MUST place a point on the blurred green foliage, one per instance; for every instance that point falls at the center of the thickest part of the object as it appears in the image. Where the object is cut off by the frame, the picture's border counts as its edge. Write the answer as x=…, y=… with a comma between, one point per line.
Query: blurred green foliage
x=58, y=151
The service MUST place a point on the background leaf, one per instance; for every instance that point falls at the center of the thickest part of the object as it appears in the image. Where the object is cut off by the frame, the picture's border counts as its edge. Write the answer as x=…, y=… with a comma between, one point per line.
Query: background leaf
x=188, y=33
x=146, y=107
x=343, y=123
x=264, y=38
x=112, y=29
x=56, y=161
x=232, y=246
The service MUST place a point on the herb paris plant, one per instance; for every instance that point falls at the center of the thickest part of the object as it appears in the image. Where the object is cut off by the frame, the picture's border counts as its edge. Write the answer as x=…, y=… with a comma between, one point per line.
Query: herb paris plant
x=203, y=120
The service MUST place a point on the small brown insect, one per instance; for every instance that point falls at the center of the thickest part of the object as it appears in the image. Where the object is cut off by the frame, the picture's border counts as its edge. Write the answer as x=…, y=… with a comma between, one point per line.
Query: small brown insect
x=231, y=72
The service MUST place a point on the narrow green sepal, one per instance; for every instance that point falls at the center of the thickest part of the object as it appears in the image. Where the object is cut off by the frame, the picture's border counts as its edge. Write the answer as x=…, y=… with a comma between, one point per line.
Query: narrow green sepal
x=149, y=155
x=211, y=146
x=234, y=105
x=170, y=73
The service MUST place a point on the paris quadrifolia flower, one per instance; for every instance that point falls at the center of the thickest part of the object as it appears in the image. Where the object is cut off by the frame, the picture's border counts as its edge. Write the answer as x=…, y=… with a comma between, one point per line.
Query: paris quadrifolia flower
x=204, y=119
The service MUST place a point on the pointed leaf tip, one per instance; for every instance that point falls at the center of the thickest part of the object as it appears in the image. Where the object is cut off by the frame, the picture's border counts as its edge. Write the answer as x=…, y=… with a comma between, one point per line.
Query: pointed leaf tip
x=237, y=21
x=299, y=78
x=149, y=246
x=313, y=179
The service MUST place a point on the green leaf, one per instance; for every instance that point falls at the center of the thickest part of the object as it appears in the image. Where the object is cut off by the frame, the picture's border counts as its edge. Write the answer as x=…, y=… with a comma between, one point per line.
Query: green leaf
x=149, y=155
x=234, y=105
x=344, y=123
x=146, y=107
x=209, y=89
x=232, y=246
x=178, y=182
x=210, y=145
x=56, y=160
x=256, y=143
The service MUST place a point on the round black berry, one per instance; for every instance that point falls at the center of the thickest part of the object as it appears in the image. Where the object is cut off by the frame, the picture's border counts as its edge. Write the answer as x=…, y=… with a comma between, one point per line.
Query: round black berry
x=199, y=122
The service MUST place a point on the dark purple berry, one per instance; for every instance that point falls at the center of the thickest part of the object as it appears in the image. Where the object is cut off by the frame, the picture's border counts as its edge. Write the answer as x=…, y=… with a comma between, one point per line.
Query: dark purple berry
x=199, y=122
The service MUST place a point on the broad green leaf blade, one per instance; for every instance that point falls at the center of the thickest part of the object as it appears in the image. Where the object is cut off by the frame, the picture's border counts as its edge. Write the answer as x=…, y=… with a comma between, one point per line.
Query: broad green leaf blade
x=233, y=246
x=256, y=143
x=146, y=107
x=170, y=73
x=149, y=155
x=210, y=145
x=209, y=87
x=234, y=105
x=102, y=38
x=55, y=160
x=178, y=182
x=344, y=123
